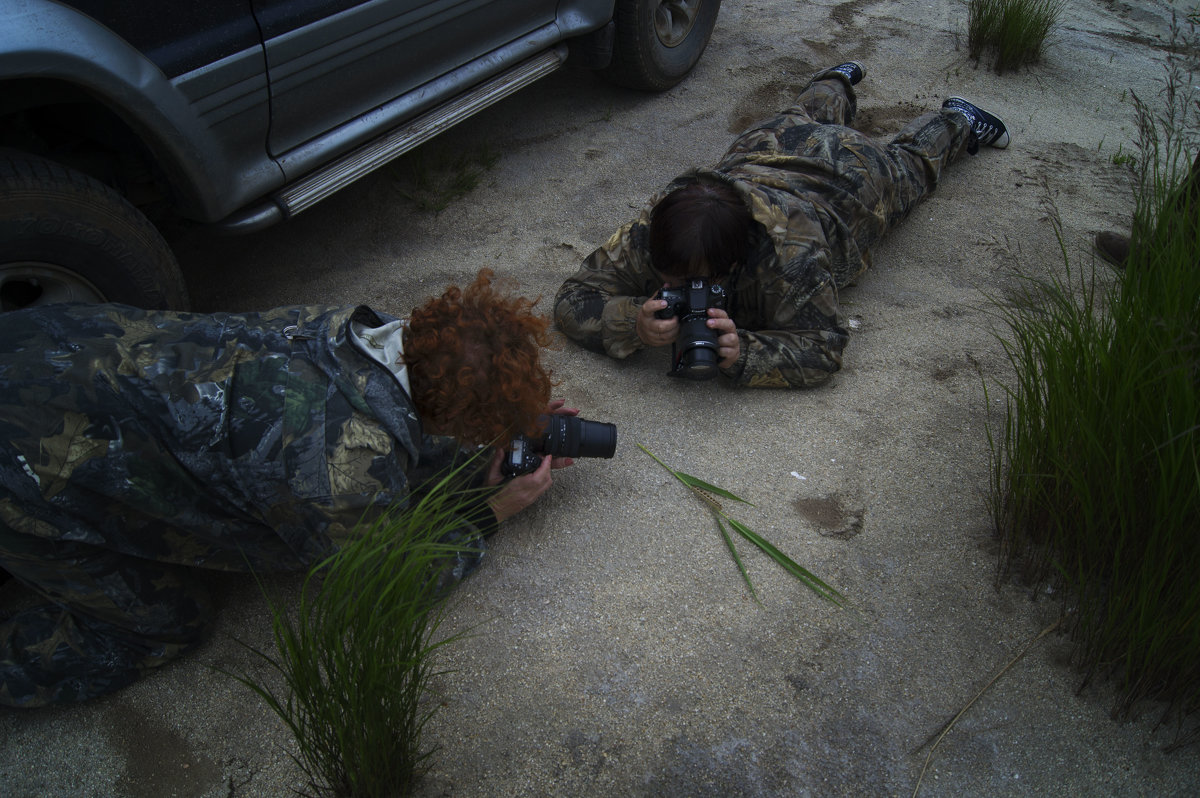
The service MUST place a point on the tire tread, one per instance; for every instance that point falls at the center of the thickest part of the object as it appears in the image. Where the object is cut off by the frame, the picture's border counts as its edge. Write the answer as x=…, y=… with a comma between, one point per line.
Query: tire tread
x=30, y=181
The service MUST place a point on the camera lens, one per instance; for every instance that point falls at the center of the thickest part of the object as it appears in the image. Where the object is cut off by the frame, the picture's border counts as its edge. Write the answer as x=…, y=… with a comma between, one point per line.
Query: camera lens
x=570, y=436
x=698, y=350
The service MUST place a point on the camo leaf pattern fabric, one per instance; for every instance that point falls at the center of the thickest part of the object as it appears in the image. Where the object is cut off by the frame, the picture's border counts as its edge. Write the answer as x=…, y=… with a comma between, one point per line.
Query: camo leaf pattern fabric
x=137, y=447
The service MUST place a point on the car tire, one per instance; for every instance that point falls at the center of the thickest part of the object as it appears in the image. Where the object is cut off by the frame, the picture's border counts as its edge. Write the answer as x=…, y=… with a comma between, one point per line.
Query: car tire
x=658, y=42
x=65, y=237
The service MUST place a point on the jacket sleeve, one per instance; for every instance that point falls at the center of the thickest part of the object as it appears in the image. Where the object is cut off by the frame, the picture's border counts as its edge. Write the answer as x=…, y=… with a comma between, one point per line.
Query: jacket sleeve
x=598, y=306
x=463, y=472
x=800, y=342
x=459, y=475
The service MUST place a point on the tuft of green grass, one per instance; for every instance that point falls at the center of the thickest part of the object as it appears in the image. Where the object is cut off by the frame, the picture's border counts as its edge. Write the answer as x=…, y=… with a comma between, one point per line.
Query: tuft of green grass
x=1122, y=158
x=356, y=657
x=432, y=179
x=1096, y=469
x=1012, y=32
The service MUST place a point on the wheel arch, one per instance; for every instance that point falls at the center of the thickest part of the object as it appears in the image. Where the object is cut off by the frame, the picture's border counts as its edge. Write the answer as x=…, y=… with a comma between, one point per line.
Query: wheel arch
x=53, y=55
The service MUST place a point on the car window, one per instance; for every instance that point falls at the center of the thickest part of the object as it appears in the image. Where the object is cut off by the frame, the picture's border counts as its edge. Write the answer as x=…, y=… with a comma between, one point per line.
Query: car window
x=177, y=36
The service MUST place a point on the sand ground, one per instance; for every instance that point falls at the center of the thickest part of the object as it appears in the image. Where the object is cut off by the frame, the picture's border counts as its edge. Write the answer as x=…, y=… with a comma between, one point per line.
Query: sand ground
x=615, y=650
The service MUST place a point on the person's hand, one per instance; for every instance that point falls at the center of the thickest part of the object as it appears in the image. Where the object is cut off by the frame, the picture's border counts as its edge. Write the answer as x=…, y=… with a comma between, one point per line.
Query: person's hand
x=729, y=345
x=520, y=492
x=654, y=331
x=557, y=408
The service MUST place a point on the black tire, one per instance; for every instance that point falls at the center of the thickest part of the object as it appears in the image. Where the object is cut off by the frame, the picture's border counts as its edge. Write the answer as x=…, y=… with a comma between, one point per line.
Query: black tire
x=658, y=42
x=65, y=237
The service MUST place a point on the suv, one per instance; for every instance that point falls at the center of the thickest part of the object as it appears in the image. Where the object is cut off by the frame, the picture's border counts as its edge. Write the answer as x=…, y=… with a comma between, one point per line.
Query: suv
x=243, y=113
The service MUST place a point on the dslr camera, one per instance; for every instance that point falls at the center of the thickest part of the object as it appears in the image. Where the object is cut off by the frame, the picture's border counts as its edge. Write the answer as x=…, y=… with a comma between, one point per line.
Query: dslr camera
x=564, y=436
x=694, y=353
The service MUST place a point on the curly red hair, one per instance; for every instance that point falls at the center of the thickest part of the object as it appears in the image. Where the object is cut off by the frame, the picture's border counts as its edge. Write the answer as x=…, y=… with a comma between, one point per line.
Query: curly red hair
x=474, y=363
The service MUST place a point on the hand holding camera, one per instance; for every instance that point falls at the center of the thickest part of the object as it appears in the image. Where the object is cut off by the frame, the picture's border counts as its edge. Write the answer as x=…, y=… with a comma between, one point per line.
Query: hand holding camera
x=523, y=468
x=564, y=436
x=693, y=319
x=729, y=345
x=653, y=330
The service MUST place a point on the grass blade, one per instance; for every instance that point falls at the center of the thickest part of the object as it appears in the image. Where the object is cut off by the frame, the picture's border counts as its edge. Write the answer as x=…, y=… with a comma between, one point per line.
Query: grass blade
x=807, y=577
x=356, y=656
x=736, y=558
x=691, y=481
x=701, y=488
x=1096, y=460
x=696, y=482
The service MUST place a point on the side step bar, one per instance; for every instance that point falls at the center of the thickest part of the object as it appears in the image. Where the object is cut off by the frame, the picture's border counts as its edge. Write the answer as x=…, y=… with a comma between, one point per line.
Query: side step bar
x=316, y=186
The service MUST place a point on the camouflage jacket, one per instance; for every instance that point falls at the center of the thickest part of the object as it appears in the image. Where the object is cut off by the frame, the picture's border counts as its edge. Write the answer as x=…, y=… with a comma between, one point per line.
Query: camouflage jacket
x=222, y=441
x=784, y=300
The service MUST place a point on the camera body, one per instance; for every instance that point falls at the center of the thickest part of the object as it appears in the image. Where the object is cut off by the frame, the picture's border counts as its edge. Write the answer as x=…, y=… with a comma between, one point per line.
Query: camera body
x=565, y=436
x=694, y=353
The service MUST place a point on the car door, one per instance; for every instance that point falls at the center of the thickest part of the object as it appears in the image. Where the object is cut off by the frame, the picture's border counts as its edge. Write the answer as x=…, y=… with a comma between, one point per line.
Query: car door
x=330, y=61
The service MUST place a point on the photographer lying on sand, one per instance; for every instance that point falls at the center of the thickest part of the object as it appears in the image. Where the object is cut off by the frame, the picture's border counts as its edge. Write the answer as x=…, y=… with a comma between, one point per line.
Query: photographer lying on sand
x=140, y=445
x=754, y=251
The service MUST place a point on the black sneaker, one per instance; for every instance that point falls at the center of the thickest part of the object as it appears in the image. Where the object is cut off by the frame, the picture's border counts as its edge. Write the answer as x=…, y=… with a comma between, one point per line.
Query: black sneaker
x=853, y=71
x=988, y=129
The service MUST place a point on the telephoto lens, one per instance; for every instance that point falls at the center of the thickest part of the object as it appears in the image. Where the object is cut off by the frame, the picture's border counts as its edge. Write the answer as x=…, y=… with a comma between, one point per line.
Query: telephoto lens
x=565, y=436
x=571, y=436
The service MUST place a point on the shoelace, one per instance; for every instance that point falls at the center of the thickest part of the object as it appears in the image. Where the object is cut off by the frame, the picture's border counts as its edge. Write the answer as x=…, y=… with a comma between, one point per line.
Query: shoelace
x=986, y=132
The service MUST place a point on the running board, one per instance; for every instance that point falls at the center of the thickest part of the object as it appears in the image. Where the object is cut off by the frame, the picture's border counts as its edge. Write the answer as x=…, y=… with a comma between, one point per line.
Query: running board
x=318, y=185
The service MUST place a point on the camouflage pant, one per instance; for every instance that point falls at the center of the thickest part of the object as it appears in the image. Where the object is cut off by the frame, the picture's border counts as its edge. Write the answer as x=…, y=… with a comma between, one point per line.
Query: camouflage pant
x=865, y=185
x=116, y=615
x=125, y=615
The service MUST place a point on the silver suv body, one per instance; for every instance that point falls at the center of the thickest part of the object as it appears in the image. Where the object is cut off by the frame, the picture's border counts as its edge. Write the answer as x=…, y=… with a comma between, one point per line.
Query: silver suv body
x=242, y=113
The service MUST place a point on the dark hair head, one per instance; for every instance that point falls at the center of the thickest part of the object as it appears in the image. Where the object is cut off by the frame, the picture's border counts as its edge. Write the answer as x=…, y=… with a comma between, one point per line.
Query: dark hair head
x=474, y=363
x=700, y=229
